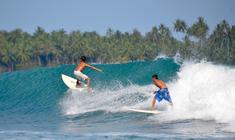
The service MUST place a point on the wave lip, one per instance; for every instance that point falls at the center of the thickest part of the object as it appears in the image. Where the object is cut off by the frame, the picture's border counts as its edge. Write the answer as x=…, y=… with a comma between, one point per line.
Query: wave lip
x=204, y=91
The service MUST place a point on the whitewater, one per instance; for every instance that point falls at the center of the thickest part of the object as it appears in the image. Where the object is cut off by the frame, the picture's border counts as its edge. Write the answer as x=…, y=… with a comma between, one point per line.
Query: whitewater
x=35, y=104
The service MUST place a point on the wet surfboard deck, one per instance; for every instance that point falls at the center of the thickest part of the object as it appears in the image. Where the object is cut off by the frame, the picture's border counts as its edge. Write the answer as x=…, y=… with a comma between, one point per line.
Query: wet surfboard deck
x=143, y=111
x=71, y=83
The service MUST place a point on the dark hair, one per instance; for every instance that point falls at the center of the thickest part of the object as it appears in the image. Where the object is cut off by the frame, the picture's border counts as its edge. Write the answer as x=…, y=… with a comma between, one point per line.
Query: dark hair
x=83, y=58
x=155, y=76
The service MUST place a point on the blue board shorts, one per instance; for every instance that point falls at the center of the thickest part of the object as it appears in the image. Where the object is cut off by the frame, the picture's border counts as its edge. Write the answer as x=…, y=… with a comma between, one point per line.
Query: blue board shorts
x=163, y=94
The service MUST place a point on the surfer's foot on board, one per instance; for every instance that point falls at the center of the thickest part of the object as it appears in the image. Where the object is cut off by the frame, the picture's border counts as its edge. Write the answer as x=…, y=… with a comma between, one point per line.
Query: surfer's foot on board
x=78, y=84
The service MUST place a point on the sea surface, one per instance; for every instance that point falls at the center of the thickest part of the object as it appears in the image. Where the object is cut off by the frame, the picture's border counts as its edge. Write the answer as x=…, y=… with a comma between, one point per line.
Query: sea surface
x=35, y=104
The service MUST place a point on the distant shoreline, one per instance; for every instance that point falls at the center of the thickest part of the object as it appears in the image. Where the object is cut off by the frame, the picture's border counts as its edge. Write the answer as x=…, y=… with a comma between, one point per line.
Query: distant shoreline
x=52, y=66
x=21, y=50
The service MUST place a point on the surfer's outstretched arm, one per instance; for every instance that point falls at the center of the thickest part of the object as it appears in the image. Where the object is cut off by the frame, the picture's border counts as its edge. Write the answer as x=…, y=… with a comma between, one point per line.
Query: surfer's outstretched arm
x=94, y=68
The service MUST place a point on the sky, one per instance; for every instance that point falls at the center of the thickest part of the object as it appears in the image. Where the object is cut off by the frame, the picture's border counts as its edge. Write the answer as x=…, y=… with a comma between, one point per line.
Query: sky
x=98, y=15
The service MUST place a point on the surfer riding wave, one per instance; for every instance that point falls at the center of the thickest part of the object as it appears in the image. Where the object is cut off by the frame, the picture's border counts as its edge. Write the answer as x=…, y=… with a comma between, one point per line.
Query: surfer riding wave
x=162, y=93
x=78, y=72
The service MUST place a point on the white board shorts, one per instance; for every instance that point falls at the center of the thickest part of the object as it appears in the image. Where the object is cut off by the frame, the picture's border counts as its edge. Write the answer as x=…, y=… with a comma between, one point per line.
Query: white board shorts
x=79, y=74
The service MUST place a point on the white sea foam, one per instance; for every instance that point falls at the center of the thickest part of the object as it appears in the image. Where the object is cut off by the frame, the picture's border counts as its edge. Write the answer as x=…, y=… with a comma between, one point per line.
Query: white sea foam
x=106, y=99
x=204, y=91
x=200, y=91
x=161, y=55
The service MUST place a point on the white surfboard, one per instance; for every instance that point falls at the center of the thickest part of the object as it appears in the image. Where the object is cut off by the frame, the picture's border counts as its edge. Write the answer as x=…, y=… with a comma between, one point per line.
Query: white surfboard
x=71, y=83
x=143, y=111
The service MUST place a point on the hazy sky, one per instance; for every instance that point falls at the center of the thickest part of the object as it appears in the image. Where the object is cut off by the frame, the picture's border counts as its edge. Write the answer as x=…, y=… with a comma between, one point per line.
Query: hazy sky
x=98, y=15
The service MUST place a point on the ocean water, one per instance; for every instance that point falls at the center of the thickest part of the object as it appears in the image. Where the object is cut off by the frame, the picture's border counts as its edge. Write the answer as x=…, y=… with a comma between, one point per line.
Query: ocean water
x=35, y=104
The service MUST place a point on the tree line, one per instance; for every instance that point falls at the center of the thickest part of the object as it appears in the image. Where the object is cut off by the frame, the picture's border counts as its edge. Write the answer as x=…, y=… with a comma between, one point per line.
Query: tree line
x=19, y=49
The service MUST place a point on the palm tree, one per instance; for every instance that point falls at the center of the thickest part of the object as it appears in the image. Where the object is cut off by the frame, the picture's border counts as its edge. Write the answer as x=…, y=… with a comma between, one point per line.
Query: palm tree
x=18, y=47
x=136, y=35
x=226, y=38
x=180, y=26
x=153, y=35
x=165, y=34
x=109, y=32
x=3, y=43
x=118, y=34
x=41, y=44
x=233, y=33
x=56, y=54
x=8, y=57
x=199, y=30
x=221, y=40
x=15, y=35
x=23, y=54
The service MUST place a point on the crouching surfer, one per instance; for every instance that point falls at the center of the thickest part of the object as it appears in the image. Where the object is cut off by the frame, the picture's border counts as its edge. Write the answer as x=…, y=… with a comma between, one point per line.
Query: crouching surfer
x=78, y=72
x=162, y=93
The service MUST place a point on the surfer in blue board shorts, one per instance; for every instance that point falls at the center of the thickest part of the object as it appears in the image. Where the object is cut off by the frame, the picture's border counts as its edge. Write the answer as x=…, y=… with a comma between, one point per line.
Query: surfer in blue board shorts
x=162, y=93
x=79, y=69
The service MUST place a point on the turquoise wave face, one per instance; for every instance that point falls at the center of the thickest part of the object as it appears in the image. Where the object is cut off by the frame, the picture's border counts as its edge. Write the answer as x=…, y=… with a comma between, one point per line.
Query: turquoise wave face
x=36, y=103
x=36, y=93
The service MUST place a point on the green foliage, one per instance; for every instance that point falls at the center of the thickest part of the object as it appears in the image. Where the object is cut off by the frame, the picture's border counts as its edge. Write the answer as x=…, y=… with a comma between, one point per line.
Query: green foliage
x=180, y=26
x=20, y=49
